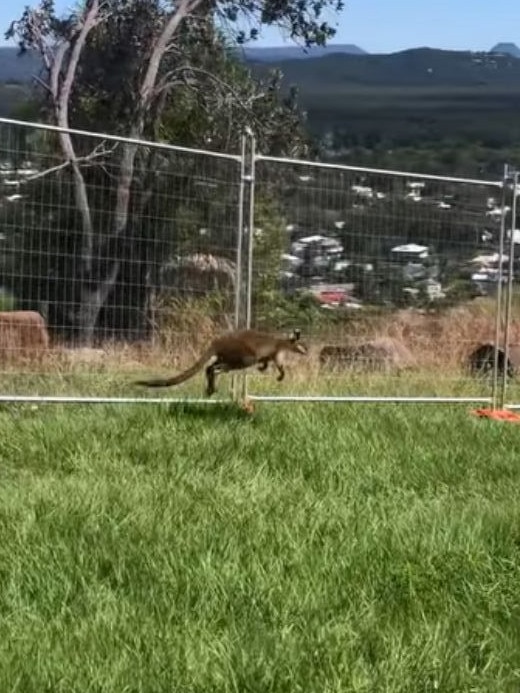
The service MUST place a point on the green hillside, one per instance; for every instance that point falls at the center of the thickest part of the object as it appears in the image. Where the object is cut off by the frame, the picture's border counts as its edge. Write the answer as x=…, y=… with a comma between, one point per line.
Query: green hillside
x=11, y=97
x=421, y=67
x=15, y=67
x=413, y=98
x=416, y=97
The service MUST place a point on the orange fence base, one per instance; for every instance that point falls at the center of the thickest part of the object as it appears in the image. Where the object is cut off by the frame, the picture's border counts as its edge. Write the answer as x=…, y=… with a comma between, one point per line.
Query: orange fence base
x=247, y=406
x=497, y=415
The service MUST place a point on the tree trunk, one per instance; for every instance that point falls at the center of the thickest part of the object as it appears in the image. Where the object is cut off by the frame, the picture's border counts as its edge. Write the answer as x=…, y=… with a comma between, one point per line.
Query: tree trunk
x=126, y=169
x=91, y=303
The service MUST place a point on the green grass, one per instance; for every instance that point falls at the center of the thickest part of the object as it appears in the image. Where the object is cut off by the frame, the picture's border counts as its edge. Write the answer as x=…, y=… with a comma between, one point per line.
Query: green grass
x=110, y=383
x=312, y=548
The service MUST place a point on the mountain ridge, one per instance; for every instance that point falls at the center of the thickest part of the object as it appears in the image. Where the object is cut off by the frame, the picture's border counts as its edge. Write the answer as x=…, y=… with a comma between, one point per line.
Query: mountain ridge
x=270, y=54
x=507, y=48
x=418, y=67
x=420, y=95
x=20, y=68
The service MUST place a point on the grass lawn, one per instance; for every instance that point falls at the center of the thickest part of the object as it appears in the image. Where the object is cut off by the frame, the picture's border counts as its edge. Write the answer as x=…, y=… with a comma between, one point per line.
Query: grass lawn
x=312, y=548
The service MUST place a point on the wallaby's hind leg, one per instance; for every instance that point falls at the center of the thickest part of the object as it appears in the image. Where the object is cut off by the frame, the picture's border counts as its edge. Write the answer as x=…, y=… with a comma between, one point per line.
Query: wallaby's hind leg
x=223, y=367
x=278, y=362
x=281, y=372
x=211, y=376
x=210, y=380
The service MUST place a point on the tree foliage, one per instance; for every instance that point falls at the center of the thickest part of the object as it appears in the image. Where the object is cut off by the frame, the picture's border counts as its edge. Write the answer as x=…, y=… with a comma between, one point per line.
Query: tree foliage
x=144, y=69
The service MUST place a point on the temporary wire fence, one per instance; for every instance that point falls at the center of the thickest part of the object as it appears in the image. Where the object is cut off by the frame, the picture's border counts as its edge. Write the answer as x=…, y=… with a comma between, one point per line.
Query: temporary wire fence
x=403, y=284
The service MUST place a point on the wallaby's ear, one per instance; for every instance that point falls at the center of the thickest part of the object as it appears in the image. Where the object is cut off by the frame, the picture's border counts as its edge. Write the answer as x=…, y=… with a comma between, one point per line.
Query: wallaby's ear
x=295, y=336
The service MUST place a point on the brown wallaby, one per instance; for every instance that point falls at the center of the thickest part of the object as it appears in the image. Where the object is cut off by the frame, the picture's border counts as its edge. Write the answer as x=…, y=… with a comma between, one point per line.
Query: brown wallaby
x=235, y=351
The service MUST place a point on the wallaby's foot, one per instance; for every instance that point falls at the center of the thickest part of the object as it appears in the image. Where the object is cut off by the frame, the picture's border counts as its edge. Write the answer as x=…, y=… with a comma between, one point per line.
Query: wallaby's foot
x=281, y=374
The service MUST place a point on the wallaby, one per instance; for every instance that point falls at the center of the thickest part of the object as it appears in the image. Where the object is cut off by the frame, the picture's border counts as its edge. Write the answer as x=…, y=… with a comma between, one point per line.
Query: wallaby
x=235, y=351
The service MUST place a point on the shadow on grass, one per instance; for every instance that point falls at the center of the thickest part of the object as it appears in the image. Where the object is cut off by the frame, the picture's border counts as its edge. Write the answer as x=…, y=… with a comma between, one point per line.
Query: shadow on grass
x=222, y=411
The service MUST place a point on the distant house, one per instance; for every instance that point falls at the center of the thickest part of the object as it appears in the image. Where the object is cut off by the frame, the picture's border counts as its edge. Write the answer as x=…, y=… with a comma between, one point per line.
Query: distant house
x=487, y=270
x=410, y=252
x=433, y=289
x=490, y=260
x=414, y=261
x=323, y=245
x=498, y=212
x=331, y=296
x=363, y=191
x=516, y=236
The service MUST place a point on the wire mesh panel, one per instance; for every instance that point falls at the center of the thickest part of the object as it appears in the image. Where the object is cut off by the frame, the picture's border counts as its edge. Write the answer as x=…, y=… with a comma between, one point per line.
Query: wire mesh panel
x=392, y=278
x=114, y=265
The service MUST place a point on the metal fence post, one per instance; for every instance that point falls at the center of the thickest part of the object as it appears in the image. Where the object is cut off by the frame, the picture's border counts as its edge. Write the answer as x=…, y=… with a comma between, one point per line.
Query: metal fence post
x=240, y=235
x=239, y=254
x=498, y=302
x=249, y=229
x=509, y=290
x=245, y=233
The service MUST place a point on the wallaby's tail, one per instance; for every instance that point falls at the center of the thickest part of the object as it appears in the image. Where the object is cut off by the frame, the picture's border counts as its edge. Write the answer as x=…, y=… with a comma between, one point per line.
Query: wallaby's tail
x=177, y=379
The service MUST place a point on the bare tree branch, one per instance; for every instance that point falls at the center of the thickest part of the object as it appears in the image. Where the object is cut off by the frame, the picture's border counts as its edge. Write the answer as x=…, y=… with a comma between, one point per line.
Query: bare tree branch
x=245, y=105
x=61, y=58
x=54, y=75
x=37, y=32
x=146, y=94
x=62, y=116
x=99, y=151
x=145, y=36
x=42, y=83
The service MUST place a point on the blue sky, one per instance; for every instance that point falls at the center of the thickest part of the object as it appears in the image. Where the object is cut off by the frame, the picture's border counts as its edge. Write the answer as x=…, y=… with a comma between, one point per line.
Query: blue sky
x=381, y=26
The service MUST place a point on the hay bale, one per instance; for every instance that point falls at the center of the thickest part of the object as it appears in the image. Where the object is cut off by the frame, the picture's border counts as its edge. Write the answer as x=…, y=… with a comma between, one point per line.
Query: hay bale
x=23, y=333
x=481, y=361
x=381, y=354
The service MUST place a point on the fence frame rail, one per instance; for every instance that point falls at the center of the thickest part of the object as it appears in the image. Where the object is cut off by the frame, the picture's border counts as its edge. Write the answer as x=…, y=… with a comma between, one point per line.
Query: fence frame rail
x=511, y=181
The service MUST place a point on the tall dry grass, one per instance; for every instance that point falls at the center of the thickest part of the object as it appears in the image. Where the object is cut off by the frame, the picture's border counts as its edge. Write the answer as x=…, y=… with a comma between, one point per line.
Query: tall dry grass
x=184, y=329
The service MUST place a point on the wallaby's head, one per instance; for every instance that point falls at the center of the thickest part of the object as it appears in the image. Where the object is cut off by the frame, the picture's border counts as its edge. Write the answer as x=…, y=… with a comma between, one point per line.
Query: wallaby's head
x=296, y=345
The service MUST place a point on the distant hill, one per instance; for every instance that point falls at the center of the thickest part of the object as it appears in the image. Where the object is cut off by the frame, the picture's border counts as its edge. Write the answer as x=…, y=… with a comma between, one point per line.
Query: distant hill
x=324, y=67
x=12, y=96
x=17, y=68
x=425, y=67
x=276, y=53
x=507, y=49
x=419, y=95
x=370, y=100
